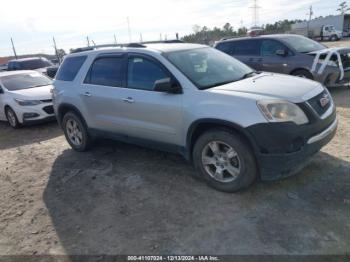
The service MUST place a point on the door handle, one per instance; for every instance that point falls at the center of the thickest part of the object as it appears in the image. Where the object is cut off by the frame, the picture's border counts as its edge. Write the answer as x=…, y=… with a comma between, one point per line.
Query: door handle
x=128, y=100
x=88, y=94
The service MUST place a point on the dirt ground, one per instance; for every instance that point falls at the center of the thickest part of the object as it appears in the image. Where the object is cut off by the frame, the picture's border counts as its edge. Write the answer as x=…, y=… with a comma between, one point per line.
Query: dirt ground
x=123, y=199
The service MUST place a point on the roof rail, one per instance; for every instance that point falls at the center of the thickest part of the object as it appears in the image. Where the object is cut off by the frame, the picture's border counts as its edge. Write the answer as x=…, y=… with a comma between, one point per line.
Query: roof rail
x=174, y=41
x=89, y=48
x=135, y=45
x=228, y=38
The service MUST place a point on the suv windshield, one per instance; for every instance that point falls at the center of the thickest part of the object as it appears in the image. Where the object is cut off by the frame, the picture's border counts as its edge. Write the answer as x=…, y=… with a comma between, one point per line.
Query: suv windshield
x=207, y=67
x=302, y=44
x=35, y=64
x=24, y=81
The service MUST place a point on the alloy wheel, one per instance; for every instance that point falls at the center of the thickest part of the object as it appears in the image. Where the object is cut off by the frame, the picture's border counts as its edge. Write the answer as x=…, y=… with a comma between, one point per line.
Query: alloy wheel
x=74, y=132
x=11, y=118
x=221, y=161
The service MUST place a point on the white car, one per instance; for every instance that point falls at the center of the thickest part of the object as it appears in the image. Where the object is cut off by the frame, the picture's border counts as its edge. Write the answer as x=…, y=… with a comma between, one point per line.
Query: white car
x=25, y=97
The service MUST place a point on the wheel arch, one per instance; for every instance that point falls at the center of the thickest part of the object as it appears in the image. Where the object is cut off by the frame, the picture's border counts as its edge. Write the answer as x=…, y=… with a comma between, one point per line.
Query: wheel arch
x=200, y=126
x=301, y=69
x=65, y=108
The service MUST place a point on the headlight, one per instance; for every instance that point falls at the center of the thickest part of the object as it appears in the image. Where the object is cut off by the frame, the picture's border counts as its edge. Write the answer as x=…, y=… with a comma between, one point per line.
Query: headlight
x=27, y=102
x=282, y=111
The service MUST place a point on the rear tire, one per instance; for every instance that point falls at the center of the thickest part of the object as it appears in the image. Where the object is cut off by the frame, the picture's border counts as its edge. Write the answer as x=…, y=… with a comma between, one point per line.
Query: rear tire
x=225, y=160
x=12, y=118
x=76, y=132
x=303, y=74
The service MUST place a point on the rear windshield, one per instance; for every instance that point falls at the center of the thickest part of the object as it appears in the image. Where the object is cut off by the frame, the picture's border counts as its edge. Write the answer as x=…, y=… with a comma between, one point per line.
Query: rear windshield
x=70, y=68
x=24, y=81
x=302, y=44
x=34, y=64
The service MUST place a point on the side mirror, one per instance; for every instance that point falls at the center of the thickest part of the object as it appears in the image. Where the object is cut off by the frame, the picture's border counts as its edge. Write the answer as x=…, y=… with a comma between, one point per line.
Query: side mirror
x=167, y=85
x=1, y=90
x=281, y=52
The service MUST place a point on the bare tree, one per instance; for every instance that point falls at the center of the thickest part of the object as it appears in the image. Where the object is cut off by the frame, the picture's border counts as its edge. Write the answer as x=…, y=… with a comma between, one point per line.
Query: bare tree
x=343, y=7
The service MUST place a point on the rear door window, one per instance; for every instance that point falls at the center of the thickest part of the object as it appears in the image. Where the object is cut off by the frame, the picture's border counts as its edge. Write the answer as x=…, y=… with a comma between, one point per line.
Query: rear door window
x=247, y=47
x=106, y=71
x=70, y=68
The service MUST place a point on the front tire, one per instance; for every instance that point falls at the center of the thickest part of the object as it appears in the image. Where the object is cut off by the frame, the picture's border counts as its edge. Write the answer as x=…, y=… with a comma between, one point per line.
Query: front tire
x=303, y=74
x=12, y=118
x=334, y=38
x=225, y=160
x=76, y=132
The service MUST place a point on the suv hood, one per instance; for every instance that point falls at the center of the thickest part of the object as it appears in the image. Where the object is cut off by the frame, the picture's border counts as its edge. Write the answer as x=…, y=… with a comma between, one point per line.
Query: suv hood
x=35, y=93
x=276, y=86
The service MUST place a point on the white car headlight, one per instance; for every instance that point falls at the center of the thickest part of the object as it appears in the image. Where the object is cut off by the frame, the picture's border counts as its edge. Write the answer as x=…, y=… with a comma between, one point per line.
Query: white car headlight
x=27, y=102
x=282, y=111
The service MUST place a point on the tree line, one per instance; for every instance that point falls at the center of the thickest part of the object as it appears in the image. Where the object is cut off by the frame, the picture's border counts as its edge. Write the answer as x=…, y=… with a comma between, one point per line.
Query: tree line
x=205, y=35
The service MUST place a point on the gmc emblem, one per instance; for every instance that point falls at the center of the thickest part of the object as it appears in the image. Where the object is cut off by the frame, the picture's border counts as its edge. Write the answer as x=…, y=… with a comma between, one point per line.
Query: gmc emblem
x=324, y=101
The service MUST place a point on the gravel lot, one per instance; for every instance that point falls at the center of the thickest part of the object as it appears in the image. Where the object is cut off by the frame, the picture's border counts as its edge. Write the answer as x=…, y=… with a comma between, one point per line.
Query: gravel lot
x=123, y=199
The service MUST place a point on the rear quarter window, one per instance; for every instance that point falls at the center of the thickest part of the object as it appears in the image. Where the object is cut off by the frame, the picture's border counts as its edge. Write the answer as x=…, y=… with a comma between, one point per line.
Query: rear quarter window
x=70, y=68
x=226, y=47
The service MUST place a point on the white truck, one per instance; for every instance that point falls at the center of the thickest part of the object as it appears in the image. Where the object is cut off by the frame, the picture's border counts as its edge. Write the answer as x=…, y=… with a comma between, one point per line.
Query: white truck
x=317, y=32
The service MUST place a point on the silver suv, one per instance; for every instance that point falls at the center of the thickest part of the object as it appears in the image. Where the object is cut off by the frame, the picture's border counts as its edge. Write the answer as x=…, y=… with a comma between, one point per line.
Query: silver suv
x=235, y=124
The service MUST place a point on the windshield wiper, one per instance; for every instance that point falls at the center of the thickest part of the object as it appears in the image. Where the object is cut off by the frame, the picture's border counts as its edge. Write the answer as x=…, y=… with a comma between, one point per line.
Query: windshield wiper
x=38, y=86
x=250, y=74
x=219, y=84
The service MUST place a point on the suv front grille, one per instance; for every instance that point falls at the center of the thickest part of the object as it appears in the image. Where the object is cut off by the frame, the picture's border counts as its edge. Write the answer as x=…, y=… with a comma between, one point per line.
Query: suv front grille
x=317, y=105
x=48, y=109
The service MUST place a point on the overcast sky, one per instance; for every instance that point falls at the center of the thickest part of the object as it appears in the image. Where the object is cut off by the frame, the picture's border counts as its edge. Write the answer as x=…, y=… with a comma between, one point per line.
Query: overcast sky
x=33, y=23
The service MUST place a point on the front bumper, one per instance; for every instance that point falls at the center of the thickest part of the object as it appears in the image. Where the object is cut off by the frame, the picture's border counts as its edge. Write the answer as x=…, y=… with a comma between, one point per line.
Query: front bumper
x=41, y=113
x=284, y=152
x=39, y=120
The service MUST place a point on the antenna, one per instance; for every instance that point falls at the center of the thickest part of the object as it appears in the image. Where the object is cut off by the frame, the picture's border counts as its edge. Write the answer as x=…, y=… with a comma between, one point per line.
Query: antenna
x=255, y=8
x=13, y=48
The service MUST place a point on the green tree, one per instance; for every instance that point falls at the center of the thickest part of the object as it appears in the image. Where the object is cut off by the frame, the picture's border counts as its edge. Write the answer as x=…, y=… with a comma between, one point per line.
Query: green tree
x=343, y=7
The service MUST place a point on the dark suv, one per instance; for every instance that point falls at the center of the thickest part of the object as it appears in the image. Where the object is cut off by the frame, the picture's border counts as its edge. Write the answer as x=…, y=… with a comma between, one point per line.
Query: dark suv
x=39, y=64
x=292, y=55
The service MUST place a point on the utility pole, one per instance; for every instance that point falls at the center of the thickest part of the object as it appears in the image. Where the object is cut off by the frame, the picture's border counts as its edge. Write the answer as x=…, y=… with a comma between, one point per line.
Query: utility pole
x=310, y=14
x=177, y=36
x=55, y=46
x=13, y=48
x=88, y=41
x=141, y=40
x=115, y=39
x=129, y=30
x=255, y=8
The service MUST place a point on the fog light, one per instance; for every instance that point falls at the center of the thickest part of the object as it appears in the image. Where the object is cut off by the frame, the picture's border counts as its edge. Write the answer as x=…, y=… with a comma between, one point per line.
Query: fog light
x=30, y=115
